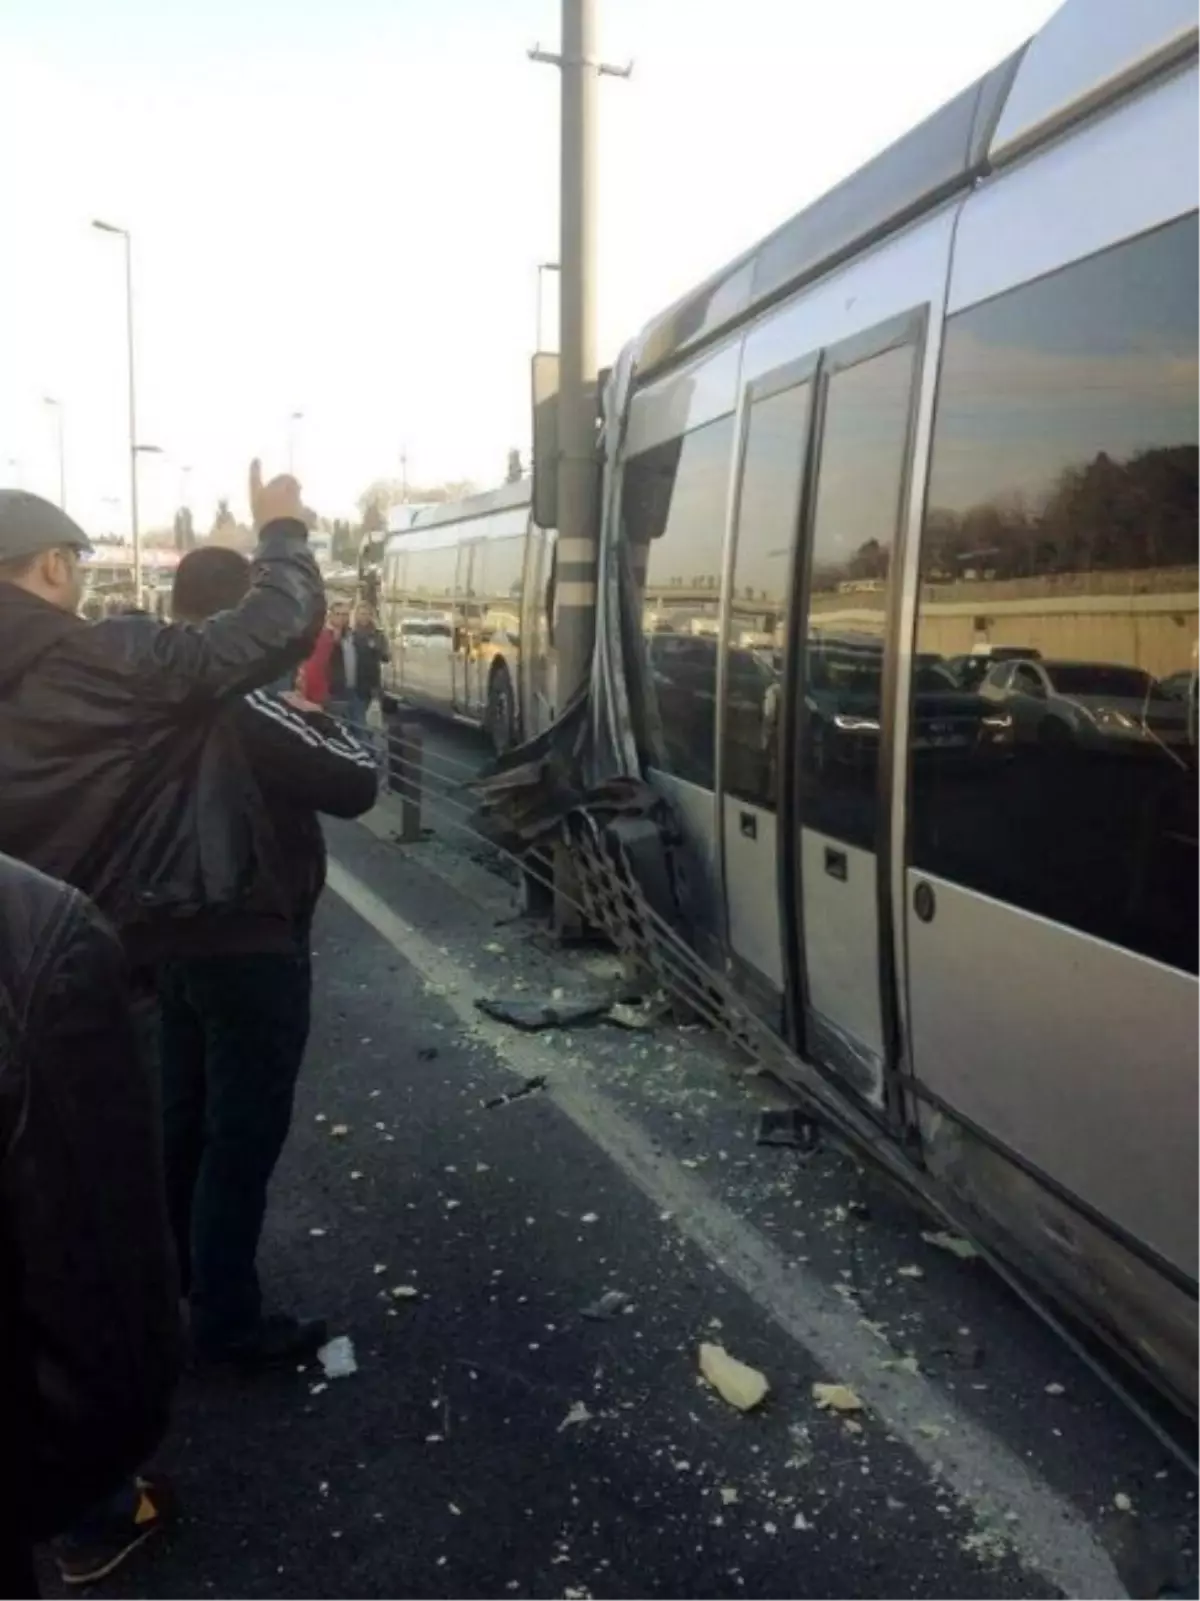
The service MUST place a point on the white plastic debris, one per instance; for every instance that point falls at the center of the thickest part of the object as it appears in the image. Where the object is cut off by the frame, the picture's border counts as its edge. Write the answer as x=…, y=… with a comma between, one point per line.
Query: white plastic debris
x=590, y=1217
x=337, y=1357
x=743, y=1387
x=801, y=1522
x=1122, y=1502
x=578, y=1414
x=910, y=1270
x=404, y=1292
x=1056, y=1389
x=950, y=1242
x=836, y=1398
x=729, y=1495
x=317, y=1234
x=380, y=1267
x=340, y=1130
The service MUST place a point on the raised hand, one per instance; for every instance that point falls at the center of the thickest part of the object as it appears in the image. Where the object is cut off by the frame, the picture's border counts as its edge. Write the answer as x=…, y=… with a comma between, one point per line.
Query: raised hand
x=277, y=499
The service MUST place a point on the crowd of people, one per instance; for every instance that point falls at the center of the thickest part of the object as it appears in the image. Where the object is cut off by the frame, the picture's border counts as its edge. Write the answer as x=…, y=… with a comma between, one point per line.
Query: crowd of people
x=160, y=863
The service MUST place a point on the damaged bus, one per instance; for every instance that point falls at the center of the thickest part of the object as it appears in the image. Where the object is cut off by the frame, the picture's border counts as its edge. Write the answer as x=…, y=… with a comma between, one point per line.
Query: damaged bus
x=898, y=609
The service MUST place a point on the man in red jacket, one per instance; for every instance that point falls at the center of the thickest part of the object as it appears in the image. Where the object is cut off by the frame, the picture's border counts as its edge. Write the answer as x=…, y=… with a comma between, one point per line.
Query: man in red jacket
x=314, y=676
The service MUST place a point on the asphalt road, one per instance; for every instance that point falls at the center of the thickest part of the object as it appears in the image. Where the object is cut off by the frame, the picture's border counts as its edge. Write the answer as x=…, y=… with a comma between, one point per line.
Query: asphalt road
x=495, y=1440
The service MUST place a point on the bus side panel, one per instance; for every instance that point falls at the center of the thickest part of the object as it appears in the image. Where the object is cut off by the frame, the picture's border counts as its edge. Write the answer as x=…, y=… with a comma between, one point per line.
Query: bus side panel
x=1050, y=897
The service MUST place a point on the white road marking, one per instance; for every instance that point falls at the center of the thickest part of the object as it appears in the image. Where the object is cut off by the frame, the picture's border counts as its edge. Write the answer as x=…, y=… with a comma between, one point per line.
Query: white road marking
x=1050, y=1536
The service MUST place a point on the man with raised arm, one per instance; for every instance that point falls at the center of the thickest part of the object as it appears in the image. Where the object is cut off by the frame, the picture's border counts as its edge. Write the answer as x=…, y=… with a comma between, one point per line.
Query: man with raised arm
x=104, y=726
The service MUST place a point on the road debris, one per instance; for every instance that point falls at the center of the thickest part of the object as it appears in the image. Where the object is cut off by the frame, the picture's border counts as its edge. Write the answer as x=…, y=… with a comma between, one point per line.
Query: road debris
x=610, y=1304
x=790, y=1128
x=337, y=1358
x=529, y=1087
x=554, y=1011
x=743, y=1387
x=579, y=1413
x=953, y=1243
x=639, y=1016
x=836, y=1398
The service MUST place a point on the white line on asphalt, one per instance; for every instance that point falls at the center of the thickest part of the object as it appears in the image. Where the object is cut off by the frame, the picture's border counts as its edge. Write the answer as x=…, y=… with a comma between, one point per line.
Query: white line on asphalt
x=1049, y=1536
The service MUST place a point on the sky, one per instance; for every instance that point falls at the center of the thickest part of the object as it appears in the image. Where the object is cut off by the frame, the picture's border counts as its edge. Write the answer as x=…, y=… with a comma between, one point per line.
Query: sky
x=338, y=207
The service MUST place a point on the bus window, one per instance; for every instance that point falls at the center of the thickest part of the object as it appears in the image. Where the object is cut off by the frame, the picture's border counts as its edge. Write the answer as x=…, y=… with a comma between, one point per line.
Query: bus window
x=1062, y=519
x=673, y=510
x=768, y=509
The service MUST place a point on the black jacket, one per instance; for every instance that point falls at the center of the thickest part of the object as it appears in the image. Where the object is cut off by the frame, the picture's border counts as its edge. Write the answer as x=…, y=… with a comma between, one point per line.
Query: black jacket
x=109, y=778
x=89, y=1310
x=285, y=765
x=370, y=651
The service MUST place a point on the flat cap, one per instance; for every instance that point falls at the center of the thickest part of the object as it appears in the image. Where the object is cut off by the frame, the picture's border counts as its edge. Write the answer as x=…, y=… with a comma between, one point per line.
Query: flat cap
x=29, y=525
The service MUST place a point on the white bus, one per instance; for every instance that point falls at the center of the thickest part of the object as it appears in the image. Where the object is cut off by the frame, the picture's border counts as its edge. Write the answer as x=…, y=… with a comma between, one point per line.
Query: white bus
x=466, y=598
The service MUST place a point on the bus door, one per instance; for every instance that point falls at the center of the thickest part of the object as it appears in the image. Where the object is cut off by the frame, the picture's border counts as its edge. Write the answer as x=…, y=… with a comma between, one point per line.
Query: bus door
x=842, y=667
x=774, y=443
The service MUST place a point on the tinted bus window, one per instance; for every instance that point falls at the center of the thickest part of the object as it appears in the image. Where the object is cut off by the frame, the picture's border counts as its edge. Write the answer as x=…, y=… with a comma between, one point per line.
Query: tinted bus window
x=673, y=505
x=860, y=478
x=1061, y=527
x=768, y=509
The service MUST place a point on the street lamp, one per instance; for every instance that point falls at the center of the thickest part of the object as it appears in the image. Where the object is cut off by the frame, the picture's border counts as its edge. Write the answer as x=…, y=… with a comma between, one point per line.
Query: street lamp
x=296, y=416
x=123, y=233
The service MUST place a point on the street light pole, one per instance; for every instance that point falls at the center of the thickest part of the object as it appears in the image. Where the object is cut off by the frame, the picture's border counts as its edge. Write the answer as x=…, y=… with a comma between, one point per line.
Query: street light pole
x=49, y=400
x=575, y=599
x=123, y=233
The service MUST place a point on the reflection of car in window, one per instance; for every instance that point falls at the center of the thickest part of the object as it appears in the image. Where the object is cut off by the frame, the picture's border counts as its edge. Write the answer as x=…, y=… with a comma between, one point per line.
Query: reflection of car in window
x=843, y=701
x=1179, y=686
x=970, y=671
x=1095, y=705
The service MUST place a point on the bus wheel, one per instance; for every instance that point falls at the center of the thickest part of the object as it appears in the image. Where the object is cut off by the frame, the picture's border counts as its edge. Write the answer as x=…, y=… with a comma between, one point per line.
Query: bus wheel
x=500, y=715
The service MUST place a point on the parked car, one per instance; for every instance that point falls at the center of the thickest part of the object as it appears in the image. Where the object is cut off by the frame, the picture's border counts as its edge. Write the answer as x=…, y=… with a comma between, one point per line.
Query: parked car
x=948, y=723
x=970, y=671
x=1095, y=705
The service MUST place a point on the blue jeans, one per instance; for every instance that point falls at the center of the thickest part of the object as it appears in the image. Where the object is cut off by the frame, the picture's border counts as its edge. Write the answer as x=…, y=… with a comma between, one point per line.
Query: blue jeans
x=352, y=709
x=234, y=1030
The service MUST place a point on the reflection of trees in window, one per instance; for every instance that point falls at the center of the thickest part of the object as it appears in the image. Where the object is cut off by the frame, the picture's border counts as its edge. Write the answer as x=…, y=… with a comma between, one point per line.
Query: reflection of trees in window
x=1064, y=462
x=1102, y=514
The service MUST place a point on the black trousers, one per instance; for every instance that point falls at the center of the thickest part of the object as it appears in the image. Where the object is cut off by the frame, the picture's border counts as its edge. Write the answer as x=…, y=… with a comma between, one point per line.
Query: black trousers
x=18, y=1581
x=234, y=1030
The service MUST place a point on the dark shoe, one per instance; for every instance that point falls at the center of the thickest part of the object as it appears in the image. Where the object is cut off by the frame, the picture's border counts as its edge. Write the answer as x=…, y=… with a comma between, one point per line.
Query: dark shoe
x=99, y=1545
x=278, y=1340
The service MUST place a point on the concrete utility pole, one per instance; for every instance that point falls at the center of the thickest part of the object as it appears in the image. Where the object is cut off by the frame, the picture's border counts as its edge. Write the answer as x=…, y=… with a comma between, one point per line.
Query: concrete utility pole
x=134, y=526
x=575, y=603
